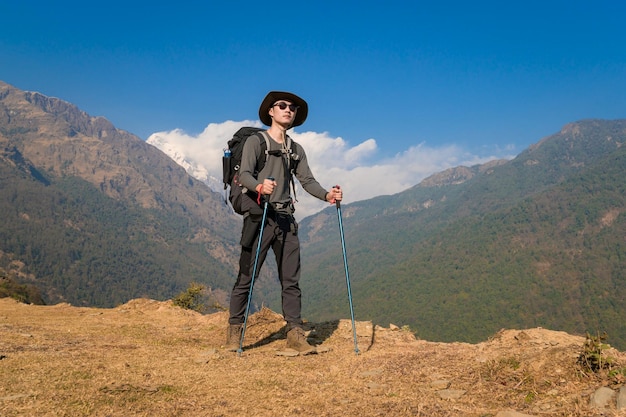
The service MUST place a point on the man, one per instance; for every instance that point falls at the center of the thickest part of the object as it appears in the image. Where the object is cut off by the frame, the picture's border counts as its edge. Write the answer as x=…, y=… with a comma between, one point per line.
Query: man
x=280, y=111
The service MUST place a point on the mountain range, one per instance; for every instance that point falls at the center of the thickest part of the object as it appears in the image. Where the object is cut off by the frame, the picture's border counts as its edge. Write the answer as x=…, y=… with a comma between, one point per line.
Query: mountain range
x=93, y=215
x=535, y=241
x=194, y=169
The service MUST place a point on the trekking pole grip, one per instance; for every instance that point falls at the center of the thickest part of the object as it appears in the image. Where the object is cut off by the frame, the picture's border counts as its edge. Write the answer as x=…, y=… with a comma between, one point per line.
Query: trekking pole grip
x=260, y=195
x=267, y=197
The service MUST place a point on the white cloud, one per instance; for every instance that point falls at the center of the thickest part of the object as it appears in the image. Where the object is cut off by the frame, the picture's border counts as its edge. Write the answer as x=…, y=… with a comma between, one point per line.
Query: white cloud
x=332, y=160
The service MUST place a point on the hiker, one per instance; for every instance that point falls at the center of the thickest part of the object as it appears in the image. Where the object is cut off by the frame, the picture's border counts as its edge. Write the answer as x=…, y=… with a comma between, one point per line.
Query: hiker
x=280, y=111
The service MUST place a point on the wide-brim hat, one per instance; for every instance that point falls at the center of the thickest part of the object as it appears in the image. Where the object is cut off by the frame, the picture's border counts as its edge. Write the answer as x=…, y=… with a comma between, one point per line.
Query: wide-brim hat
x=272, y=97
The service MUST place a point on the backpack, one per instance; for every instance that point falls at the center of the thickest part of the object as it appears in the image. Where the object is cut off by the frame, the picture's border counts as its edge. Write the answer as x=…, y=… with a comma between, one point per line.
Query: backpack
x=241, y=199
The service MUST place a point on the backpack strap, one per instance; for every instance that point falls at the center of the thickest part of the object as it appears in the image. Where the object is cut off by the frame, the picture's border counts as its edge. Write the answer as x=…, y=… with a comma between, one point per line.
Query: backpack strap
x=291, y=167
x=265, y=136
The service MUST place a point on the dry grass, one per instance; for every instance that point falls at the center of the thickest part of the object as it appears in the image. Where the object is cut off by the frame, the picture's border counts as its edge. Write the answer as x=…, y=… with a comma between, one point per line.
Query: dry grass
x=149, y=358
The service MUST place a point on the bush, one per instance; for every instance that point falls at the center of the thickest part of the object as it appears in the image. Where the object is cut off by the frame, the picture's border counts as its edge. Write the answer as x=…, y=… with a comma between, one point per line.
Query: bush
x=594, y=360
x=192, y=298
x=27, y=294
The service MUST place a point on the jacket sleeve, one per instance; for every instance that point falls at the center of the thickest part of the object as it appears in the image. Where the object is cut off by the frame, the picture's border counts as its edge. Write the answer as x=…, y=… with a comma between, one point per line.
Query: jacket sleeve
x=305, y=176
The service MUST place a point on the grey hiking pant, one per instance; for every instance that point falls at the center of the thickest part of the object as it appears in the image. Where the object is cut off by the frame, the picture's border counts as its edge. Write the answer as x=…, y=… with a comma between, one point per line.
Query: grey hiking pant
x=281, y=235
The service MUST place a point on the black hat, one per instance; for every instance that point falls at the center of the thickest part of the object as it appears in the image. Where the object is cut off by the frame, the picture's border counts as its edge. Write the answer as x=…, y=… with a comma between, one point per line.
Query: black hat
x=272, y=97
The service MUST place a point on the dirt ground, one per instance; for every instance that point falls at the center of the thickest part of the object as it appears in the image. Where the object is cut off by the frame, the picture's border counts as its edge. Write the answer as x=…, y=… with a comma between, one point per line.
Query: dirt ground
x=149, y=358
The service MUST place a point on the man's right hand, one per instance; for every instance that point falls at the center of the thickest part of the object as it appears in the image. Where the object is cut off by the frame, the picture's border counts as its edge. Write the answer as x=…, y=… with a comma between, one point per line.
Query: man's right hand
x=267, y=187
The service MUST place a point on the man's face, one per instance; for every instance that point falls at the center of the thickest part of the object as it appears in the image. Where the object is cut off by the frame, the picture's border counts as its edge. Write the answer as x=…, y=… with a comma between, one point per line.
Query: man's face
x=284, y=112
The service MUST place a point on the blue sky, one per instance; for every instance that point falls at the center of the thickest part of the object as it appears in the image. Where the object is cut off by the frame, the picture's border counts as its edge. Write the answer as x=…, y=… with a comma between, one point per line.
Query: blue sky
x=486, y=79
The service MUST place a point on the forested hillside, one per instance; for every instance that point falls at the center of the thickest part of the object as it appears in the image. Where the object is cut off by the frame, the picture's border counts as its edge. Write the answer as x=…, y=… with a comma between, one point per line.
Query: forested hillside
x=537, y=241
x=93, y=215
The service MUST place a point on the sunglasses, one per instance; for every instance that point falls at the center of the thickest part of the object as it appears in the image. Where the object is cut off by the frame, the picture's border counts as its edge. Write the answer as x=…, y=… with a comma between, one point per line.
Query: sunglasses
x=282, y=105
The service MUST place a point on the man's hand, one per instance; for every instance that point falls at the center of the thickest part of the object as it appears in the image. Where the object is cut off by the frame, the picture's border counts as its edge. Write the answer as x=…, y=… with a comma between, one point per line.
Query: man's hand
x=267, y=187
x=334, y=195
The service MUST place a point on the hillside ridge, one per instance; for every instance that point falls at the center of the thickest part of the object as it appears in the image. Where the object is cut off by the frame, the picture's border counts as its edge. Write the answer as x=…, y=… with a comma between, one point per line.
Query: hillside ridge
x=150, y=357
x=94, y=215
x=535, y=241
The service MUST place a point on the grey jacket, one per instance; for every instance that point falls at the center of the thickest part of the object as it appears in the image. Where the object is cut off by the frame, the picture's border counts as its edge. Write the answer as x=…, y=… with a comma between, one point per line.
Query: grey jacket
x=277, y=167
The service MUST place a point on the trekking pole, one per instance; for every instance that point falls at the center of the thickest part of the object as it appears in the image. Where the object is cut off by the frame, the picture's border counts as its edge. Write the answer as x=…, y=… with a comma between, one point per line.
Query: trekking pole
x=345, y=263
x=256, y=260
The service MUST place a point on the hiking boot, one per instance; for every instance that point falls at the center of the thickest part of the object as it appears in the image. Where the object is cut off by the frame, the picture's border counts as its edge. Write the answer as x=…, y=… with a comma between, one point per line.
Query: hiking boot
x=233, y=337
x=296, y=339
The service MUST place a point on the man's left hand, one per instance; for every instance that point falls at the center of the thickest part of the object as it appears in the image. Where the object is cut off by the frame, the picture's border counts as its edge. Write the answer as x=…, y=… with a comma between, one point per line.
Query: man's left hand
x=334, y=195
